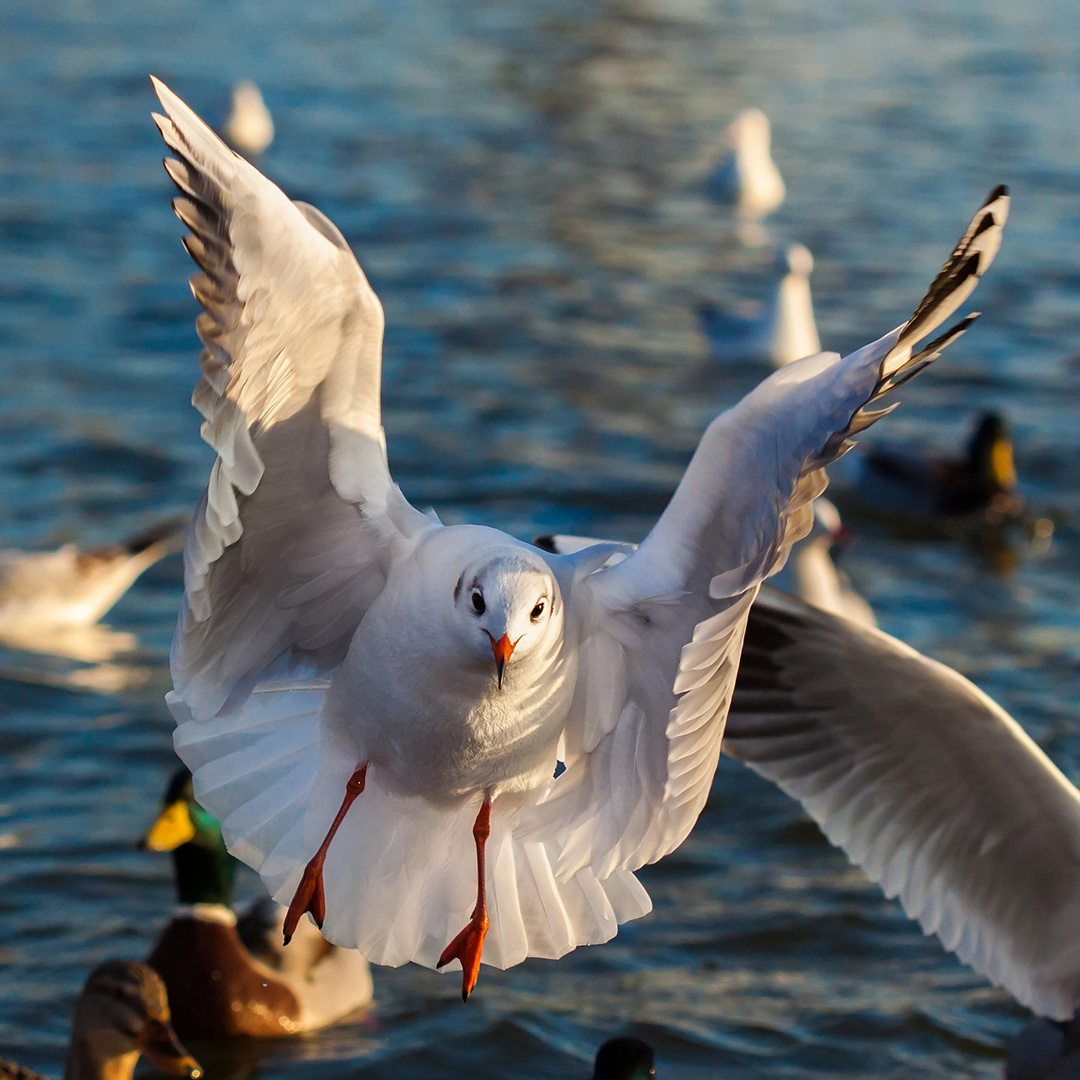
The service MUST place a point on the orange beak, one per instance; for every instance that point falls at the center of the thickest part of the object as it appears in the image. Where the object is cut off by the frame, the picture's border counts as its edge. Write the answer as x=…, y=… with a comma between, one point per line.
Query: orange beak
x=501, y=650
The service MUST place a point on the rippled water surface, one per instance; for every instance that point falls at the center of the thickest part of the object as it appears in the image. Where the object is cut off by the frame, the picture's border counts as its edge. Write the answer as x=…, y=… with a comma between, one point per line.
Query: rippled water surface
x=521, y=182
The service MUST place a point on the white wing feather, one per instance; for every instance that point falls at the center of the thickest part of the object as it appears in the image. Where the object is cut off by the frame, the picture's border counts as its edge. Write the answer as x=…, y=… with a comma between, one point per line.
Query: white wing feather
x=291, y=541
x=677, y=606
x=927, y=784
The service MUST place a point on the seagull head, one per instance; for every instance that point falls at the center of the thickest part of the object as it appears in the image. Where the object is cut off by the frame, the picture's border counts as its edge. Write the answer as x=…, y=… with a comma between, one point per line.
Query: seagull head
x=508, y=606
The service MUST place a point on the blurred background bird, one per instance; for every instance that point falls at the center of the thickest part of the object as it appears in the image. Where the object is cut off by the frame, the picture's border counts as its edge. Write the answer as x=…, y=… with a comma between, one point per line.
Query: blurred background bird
x=778, y=331
x=746, y=177
x=250, y=128
x=122, y=1012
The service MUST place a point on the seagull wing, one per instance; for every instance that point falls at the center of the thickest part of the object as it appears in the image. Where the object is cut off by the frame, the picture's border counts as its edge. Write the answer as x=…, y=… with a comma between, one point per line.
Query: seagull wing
x=927, y=784
x=292, y=539
x=663, y=629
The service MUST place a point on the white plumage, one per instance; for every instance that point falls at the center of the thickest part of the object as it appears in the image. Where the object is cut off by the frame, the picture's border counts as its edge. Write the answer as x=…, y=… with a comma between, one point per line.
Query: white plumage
x=927, y=784
x=746, y=177
x=782, y=329
x=331, y=634
x=250, y=127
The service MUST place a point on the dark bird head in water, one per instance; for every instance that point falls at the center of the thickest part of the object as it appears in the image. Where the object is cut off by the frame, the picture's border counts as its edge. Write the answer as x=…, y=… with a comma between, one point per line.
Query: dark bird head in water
x=625, y=1059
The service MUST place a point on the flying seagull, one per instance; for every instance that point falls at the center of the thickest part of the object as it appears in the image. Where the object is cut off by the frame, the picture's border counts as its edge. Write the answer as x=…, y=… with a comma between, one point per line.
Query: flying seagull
x=338, y=647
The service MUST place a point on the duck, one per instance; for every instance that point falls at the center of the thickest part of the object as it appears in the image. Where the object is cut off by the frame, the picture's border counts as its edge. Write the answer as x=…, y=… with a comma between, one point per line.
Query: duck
x=250, y=127
x=230, y=976
x=122, y=1012
x=811, y=574
x=746, y=177
x=625, y=1059
x=981, y=484
x=1045, y=1049
x=71, y=588
x=781, y=330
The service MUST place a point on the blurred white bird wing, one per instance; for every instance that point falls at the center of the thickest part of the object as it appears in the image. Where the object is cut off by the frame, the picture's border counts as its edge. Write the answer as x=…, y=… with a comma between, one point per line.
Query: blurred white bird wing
x=927, y=784
x=292, y=540
x=663, y=629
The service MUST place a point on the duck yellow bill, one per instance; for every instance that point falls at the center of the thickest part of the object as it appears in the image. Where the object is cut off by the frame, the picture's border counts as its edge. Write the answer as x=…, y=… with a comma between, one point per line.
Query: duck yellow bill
x=172, y=829
x=1001, y=462
x=162, y=1048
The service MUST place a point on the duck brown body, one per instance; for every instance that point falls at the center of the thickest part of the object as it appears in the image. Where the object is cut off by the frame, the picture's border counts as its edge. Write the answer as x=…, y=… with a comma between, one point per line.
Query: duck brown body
x=217, y=988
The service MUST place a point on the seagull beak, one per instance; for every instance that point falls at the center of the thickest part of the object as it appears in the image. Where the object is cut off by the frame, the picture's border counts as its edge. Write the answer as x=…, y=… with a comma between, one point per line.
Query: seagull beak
x=501, y=650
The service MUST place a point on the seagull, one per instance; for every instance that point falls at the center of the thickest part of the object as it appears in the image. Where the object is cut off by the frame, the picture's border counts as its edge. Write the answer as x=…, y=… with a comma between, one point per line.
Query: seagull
x=781, y=330
x=746, y=177
x=924, y=782
x=811, y=574
x=375, y=706
x=45, y=592
x=250, y=127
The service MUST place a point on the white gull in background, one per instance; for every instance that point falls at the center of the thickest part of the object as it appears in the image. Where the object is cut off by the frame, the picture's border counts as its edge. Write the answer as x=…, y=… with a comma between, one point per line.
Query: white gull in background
x=780, y=330
x=43, y=592
x=746, y=177
x=374, y=705
x=811, y=574
x=250, y=127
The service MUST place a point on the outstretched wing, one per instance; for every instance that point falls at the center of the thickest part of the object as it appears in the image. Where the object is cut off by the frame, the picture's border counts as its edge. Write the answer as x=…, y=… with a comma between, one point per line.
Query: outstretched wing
x=658, y=667
x=290, y=542
x=927, y=784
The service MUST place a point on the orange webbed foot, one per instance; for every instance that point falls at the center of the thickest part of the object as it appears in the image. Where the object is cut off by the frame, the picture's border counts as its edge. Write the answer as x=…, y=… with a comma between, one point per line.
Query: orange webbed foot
x=467, y=947
x=309, y=896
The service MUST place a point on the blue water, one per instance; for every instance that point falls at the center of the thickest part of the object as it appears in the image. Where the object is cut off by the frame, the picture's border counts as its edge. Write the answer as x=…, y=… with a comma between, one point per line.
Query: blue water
x=521, y=182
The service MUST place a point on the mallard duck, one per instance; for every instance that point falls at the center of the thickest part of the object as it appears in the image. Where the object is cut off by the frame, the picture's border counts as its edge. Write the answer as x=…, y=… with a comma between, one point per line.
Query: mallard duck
x=625, y=1059
x=746, y=177
x=122, y=1012
x=250, y=127
x=781, y=330
x=233, y=977
x=981, y=483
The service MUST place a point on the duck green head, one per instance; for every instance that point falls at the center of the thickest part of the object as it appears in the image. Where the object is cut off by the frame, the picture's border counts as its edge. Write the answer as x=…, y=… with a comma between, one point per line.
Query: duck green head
x=625, y=1059
x=990, y=452
x=204, y=870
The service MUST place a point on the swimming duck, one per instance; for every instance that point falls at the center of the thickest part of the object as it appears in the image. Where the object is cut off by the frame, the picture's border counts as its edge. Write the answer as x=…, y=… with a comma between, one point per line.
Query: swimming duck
x=781, y=330
x=625, y=1059
x=250, y=127
x=122, y=1012
x=746, y=177
x=1045, y=1049
x=982, y=482
x=233, y=977
x=48, y=591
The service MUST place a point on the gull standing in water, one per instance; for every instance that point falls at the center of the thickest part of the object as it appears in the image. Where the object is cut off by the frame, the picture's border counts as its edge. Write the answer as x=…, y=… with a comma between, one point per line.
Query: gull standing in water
x=43, y=592
x=746, y=177
x=250, y=127
x=782, y=331
x=375, y=706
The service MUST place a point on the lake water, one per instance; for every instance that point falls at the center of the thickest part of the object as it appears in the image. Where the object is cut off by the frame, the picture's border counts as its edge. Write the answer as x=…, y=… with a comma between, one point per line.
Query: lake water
x=521, y=182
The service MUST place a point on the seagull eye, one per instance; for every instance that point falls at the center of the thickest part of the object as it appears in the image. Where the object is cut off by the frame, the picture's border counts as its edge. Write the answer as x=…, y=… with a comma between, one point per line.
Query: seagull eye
x=537, y=611
x=478, y=604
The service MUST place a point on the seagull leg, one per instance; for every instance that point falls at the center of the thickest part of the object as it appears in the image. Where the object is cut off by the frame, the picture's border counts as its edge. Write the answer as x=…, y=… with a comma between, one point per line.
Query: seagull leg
x=469, y=944
x=309, y=895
